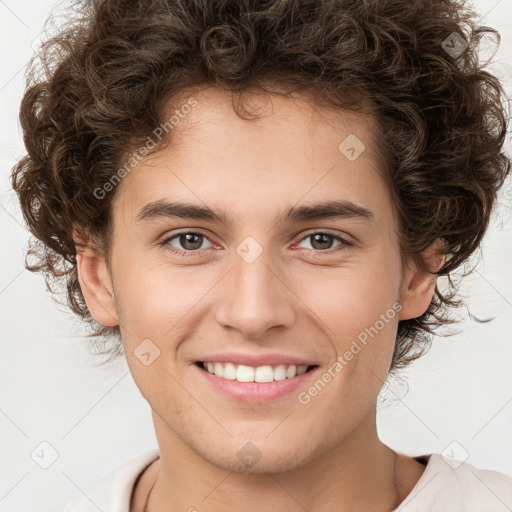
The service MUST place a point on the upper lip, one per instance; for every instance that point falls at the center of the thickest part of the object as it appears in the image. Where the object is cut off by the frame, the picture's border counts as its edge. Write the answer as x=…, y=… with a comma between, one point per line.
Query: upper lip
x=256, y=359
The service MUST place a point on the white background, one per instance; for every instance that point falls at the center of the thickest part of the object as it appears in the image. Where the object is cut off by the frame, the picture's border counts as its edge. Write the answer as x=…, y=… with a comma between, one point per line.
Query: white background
x=95, y=417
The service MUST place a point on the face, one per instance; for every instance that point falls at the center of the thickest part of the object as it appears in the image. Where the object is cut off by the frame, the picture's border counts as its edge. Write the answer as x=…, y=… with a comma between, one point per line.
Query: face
x=275, y=277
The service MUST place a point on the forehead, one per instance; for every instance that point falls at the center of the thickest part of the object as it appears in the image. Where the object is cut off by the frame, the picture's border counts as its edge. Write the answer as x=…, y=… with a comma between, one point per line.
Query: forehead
x=293, y=151
x=218, y=115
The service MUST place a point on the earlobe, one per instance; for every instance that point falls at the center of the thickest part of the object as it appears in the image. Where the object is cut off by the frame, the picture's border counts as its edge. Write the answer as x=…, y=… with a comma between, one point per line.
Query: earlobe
x=419, y=285
x=96, y=286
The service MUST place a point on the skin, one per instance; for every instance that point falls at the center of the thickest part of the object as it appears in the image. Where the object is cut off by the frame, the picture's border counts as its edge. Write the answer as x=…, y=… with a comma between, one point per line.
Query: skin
x=308, y=301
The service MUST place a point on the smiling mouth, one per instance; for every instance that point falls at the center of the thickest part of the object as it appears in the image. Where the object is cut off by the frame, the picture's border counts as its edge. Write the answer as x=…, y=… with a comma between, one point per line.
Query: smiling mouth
x=243, y=373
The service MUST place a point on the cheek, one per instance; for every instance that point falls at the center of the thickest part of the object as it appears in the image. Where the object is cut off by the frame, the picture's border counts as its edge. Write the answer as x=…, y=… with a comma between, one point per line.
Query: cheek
x=154, y=296
x=348, y=299
x=157, y=313
x=358, y=308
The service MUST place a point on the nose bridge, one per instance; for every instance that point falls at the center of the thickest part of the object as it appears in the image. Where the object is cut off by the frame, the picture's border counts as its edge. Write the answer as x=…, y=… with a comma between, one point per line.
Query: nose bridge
x=256, y=299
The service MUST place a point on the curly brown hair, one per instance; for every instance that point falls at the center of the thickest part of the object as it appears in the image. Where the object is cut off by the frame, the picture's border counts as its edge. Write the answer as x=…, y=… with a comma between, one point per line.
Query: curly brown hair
x=106, y=79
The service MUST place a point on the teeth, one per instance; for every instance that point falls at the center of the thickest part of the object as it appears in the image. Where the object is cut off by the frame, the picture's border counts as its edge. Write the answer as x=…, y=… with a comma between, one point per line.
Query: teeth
x=218, y=369
x=280, y=372
x=301, y=369
x=243, y=373
x=291, y=371
x=230, y=371
x=264, y=374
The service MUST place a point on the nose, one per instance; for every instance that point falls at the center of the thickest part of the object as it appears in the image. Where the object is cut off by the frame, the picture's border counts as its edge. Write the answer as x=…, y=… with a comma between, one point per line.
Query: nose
x=257, y=297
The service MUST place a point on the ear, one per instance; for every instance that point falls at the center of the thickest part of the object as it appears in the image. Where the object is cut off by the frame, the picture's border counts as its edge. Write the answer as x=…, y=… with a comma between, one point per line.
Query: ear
x=419, y=285
x=95, y=282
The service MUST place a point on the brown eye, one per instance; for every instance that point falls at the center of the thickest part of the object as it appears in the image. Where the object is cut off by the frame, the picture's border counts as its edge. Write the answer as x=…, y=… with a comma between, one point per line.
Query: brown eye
x=190, y=241
x=185, y=242
x=322, y=241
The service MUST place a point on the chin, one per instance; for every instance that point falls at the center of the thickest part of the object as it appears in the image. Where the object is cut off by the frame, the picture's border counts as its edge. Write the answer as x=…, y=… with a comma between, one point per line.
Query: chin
x=253, y=457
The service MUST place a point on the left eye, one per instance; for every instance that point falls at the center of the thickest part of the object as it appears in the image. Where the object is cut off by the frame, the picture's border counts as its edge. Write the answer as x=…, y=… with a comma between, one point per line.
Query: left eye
x=190, y=241
x=322, y=241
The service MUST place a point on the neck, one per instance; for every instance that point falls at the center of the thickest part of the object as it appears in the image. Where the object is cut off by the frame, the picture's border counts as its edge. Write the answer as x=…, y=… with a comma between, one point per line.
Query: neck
x=359, y=474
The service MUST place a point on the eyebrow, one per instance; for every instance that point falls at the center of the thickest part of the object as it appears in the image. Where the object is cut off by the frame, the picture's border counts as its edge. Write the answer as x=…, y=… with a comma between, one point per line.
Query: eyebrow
x=162, y=208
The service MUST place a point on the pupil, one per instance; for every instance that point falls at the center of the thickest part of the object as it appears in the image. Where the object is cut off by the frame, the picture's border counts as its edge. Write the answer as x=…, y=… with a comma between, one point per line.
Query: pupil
x=322, y=244
x=195, y=245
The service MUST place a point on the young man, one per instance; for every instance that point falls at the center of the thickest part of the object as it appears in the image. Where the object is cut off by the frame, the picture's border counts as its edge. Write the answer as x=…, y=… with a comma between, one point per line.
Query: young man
x=255, y=199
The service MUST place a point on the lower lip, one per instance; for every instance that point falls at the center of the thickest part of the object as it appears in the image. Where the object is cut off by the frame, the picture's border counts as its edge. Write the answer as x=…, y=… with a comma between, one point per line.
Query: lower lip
x=255, y=392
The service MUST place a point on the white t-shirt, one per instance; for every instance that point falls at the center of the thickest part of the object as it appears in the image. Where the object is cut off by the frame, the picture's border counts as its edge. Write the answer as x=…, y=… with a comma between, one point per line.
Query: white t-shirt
x=444, y=486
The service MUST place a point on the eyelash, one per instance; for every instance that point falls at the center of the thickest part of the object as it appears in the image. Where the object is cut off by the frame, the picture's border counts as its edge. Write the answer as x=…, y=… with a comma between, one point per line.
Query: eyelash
x=184, y=254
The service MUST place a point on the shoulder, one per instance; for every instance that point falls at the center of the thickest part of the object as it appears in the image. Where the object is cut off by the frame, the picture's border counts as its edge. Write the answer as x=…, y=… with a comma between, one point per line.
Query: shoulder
x=454, y=486
x=113, y=490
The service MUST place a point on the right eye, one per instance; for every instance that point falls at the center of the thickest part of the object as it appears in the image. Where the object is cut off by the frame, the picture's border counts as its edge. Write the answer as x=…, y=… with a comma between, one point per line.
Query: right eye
x=190, y=241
